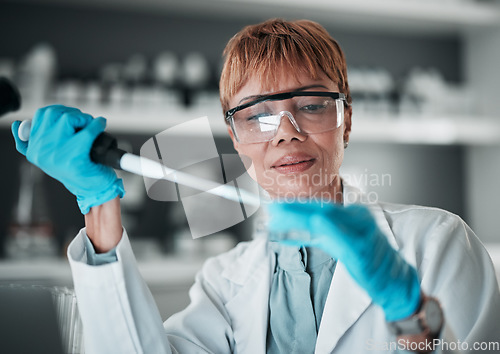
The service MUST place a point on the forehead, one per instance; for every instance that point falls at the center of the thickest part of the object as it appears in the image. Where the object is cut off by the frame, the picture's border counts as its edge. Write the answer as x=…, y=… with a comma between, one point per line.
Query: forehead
x=284, y=81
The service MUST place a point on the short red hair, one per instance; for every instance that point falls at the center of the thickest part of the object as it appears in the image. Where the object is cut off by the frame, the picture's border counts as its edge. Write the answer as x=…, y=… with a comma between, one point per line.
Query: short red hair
x=299, y=46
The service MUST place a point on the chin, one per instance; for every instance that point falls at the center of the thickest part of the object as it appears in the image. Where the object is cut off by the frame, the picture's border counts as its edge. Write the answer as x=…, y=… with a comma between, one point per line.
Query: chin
x=298, y=193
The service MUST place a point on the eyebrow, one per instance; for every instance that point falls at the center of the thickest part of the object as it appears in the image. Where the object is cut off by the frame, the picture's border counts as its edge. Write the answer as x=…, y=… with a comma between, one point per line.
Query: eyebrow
x=303, y=88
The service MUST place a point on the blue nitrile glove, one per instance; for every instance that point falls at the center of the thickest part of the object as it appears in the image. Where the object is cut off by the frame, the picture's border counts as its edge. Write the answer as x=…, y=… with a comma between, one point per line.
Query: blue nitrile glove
x=351, y=235
x=64, y=154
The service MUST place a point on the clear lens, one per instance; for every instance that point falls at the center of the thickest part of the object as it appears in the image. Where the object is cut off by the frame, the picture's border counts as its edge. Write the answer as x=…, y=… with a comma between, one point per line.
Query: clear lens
x=312, y=114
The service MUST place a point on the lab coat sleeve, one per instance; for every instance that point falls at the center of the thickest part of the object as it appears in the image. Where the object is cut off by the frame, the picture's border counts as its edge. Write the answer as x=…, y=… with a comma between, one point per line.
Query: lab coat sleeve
x=94, y=258
x=119, y=314
x=456, y=268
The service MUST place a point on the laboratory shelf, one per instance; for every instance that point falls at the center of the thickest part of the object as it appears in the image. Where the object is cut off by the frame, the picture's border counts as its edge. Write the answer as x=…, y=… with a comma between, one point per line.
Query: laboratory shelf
x=169, y=270
x=399, y=129
x=426, y=130
x=416, y=16
x=140, y=120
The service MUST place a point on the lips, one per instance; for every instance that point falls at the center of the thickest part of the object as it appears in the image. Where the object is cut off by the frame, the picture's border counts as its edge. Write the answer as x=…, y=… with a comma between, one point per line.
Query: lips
x=293, y=163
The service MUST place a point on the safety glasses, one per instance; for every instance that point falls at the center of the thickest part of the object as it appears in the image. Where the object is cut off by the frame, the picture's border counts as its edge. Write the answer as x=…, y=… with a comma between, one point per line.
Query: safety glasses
x=310, y=112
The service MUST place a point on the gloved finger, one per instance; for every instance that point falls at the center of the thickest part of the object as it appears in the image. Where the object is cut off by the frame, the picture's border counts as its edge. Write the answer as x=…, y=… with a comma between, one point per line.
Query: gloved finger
x=357, y=218
x=72, y=120
x=88, y=134
x=46, y=118
x=353, y=218
x=329, y=234
x=283, y=218
x=355, y=212
x=326, y=226
x=308, y=205
x=21, y=146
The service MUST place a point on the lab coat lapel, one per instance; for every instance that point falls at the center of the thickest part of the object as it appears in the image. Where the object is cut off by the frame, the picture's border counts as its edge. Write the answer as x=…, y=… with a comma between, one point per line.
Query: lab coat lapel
x=248, y=309
x=346, y=300
x=353, y=195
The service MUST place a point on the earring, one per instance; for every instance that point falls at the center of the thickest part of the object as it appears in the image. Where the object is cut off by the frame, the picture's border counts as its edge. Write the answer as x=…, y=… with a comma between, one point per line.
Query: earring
x=346, y=144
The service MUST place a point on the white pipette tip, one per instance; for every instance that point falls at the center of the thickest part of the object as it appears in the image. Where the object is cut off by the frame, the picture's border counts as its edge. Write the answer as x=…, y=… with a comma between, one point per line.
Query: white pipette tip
x=24, y=130
x=153, y=169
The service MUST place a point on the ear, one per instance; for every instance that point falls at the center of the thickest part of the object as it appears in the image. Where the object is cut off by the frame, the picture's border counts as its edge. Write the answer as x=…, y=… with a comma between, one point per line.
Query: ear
x=236, y=145
x=347, y=122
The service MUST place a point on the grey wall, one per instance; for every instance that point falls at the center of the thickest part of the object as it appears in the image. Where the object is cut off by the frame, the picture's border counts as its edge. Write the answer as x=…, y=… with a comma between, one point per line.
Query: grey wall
x=85, y=38
x=483, y=174
x=410, y=174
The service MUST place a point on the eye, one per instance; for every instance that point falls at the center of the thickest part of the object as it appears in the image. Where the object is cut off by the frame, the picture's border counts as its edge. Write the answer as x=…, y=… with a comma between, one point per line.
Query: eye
x=313, y=108
x=257, y=117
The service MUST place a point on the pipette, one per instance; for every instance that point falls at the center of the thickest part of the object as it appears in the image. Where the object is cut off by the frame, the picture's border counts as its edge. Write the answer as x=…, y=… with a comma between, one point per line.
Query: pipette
x=105, y=151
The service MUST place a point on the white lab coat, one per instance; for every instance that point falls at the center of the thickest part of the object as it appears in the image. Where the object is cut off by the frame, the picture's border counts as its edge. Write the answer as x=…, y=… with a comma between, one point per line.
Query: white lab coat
x=228, y=312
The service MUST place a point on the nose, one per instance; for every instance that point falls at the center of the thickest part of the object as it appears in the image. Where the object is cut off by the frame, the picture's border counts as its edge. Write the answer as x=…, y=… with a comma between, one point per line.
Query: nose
x=288, y=130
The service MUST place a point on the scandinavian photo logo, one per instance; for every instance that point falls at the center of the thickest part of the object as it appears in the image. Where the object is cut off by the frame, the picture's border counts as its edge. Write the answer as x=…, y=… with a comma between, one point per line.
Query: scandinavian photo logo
x=177, y=149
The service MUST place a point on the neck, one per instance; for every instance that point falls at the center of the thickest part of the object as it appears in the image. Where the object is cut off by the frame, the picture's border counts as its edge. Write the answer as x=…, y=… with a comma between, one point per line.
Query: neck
x=332, y=193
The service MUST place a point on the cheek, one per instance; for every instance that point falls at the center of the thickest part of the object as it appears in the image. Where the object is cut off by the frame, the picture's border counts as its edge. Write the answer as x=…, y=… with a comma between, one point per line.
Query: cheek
x=251, y=171
x=332, y=147
x=252, y=156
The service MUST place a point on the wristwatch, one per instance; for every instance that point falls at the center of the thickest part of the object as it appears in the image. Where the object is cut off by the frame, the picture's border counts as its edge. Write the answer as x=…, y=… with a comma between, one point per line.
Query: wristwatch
x=427, y=321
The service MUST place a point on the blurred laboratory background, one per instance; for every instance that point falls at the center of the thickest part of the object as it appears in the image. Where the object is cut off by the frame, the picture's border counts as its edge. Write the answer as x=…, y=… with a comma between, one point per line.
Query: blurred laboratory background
x=426, y=114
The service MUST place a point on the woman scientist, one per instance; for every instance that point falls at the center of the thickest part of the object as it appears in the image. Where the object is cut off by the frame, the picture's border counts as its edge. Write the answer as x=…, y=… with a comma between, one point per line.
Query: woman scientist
x=333, y=275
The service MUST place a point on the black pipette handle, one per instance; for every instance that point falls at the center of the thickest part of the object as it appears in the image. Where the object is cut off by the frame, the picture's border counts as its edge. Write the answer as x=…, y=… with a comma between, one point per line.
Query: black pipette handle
x=105, y=151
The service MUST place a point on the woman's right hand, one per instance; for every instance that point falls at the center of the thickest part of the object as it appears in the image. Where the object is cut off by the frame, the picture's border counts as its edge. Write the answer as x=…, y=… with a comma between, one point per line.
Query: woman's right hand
x=60, y=142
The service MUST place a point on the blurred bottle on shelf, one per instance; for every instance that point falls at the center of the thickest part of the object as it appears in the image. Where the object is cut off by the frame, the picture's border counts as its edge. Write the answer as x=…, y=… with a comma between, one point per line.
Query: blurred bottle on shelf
x=425, y=92
x=166, y=69
x=36, y=73
x=166, y=80
x=195, y=75
x=92, y=93
x=148, y=86
x=195, y=70
x=135, y=78
x=115, y=93
x=135, y=70
x=373, y=91
x=68, y=92
x=31, y=233
x=422, y=92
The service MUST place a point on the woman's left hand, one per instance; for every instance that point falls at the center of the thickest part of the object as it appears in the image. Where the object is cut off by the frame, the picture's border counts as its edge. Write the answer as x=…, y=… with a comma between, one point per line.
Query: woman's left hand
x=351, y=235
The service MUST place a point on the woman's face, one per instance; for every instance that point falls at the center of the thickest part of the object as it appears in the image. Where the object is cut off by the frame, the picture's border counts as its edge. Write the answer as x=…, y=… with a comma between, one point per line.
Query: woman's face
x=295, y=165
